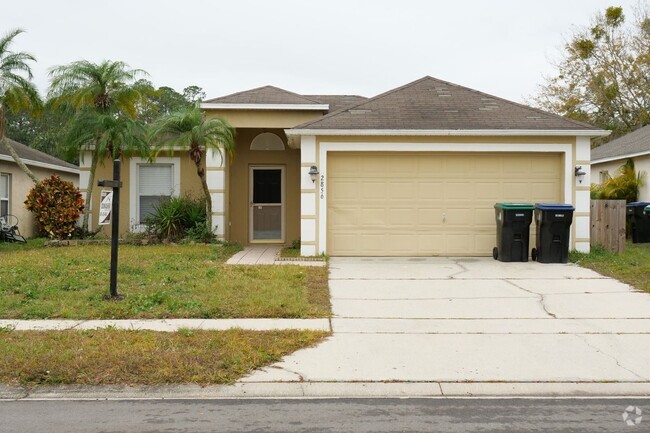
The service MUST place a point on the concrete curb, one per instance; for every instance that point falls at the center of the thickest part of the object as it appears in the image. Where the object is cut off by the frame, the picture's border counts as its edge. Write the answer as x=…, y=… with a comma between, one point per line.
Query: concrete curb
x=170, y=325
x=329, y=390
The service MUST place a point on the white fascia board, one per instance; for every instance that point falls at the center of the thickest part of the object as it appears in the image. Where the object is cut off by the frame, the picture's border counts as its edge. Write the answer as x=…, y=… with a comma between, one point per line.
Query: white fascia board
x=616, y=158
x=286, y=107
x=450, y=132
x=41, y=164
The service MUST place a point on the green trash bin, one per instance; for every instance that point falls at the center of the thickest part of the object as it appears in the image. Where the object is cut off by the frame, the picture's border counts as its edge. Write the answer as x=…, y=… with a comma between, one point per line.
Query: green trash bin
x=513, y=231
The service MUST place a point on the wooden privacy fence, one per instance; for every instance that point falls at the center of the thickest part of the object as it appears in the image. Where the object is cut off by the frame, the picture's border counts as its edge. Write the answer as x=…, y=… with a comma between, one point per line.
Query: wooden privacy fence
x=608, y=224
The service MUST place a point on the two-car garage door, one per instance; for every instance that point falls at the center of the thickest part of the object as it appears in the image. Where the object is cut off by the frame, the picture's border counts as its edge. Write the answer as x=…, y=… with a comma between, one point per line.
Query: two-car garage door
x=423, y=204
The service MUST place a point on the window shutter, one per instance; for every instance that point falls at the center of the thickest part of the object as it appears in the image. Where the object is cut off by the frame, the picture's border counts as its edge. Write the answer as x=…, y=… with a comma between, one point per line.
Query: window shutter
x=154, y=184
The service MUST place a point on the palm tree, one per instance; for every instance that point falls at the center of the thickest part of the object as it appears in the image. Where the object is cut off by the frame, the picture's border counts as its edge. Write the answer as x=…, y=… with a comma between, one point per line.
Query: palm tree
x=189, y=129
x=626, y=185
x=16, y=91
x=108, y=89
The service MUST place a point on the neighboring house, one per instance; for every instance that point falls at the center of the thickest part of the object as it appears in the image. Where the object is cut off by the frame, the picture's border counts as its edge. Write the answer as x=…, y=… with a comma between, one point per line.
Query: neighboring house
x=413, y=171
x=609, y=157
x=15, y=185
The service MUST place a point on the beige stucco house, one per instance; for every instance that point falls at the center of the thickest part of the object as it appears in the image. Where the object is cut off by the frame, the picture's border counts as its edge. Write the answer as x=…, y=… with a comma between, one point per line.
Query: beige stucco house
x=609, y=157
x=413, y=171
x=15, y=185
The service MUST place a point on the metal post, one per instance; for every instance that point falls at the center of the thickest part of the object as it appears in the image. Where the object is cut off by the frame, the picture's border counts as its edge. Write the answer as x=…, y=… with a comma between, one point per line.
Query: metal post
x=115, y=229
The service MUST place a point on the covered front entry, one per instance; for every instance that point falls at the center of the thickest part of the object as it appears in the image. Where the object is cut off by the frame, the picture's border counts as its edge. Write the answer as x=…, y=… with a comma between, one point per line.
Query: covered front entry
x=423, y=204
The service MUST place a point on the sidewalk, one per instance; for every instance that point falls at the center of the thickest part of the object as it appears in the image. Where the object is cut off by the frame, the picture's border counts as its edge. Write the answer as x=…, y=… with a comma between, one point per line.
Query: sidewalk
x=170, y=325
x=268, y=255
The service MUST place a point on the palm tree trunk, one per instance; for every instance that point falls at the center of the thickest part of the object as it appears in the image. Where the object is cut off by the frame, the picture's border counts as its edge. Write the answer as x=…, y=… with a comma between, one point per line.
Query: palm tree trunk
x=89, y=190
x=10, y=148
x=19, y=161
x=208, y=198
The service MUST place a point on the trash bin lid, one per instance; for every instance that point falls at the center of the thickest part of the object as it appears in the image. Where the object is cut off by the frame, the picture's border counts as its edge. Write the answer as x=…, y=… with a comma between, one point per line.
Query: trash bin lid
x=638, y=204
x=554, y=206
x=647, y=209
x=519, y=206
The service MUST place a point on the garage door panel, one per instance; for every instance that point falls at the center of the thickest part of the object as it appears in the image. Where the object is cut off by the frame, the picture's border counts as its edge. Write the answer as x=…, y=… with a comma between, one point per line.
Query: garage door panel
x=406, y=204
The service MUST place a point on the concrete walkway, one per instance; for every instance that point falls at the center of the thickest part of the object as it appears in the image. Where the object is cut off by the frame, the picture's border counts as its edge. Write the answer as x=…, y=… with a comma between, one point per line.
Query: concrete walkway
x=268, y=255
x=470, y=325
x=255, y=255
x=169, y=325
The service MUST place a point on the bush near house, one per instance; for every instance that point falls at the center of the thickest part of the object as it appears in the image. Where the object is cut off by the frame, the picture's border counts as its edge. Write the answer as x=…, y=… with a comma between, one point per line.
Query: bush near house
x=625, y=186
x=57, y=205
x=180, y=218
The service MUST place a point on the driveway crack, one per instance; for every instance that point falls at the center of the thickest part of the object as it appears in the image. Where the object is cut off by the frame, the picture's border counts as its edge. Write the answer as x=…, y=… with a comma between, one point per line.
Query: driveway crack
x=464, y=269
x=542, y=301
x=597, y=349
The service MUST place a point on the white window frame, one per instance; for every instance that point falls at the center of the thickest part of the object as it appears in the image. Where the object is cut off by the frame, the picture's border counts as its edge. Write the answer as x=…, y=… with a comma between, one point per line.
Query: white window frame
x=7, y=199
x=134, y=173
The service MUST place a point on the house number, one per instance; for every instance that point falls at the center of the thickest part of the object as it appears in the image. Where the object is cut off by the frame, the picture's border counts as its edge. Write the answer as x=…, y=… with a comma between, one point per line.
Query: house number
x=322, y=186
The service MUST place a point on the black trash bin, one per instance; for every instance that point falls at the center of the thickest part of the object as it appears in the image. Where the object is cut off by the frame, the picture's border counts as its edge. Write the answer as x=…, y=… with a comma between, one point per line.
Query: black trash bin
x=640, y=221
x=646, y=211
x=552, y=234
x=513, y=231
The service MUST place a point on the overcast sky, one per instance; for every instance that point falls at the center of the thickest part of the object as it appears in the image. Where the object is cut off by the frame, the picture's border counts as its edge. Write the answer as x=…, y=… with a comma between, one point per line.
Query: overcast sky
x=502, y=47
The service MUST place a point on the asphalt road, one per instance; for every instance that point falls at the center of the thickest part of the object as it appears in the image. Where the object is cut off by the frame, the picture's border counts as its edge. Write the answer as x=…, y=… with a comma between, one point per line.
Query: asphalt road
x=333, y=415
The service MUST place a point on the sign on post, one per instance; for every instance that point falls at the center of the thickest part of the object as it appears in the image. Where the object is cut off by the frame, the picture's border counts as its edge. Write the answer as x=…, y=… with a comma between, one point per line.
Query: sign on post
x=105, y=205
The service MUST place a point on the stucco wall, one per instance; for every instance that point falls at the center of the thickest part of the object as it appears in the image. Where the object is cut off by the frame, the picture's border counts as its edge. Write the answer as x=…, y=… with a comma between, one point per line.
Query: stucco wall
x=239, y=185
x=190, y=184
x=20, y=186
x=641, y=163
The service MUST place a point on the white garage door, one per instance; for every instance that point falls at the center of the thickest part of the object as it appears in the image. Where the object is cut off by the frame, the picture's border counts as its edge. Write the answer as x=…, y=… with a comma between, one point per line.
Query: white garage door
x=423, y=204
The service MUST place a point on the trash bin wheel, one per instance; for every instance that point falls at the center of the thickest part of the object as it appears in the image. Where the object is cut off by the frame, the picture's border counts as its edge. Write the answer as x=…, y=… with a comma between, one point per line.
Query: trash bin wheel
x=533, y=254
x=495, y=253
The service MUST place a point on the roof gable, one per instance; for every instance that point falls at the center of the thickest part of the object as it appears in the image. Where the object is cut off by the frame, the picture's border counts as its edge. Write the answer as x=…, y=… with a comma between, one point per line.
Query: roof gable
x=264, y=95
x=630, y=144
x=432, y=104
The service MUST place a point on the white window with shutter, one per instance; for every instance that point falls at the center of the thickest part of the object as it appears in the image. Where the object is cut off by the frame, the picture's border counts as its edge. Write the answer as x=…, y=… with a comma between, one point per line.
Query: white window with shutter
x=150, y=184
x=155, y=184
x=5, y=193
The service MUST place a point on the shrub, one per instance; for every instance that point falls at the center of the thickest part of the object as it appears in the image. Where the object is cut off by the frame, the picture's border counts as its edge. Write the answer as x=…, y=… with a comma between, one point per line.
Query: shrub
x=625, y=186
x=57, y=205
x=180, y=218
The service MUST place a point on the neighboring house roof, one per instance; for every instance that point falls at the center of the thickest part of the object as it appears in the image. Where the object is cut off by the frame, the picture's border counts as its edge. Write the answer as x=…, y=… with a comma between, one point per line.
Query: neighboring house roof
x=336, y=102
x=633, y=144
x=36, y=158
x=429, y=104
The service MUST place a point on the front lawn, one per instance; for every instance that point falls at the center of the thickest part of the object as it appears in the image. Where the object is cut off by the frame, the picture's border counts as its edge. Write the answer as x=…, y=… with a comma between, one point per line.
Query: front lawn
x=109, y=356
x=631, y=267
x=157, y=281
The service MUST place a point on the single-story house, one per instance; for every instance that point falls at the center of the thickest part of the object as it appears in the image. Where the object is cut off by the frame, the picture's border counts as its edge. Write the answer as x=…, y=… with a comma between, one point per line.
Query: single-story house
x=15, y=184
x=606, y=159
x=414, y=171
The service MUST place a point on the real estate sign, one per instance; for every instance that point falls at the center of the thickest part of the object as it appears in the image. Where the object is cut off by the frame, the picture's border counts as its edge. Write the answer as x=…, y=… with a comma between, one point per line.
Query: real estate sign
x=105, y=205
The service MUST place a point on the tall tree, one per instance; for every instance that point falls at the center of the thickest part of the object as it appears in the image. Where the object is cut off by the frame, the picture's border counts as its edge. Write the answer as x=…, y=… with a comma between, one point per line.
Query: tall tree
x=97, y=91
x=17, y=93
x=189, y=129
x=603, y=76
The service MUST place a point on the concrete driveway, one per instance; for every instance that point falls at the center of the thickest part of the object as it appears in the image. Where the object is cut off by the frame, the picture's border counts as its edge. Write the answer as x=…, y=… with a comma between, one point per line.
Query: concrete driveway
x=465, y=326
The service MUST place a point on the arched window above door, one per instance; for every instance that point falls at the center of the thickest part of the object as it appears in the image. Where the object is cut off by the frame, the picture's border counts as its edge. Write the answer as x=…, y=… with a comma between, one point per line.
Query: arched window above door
x=267, y=141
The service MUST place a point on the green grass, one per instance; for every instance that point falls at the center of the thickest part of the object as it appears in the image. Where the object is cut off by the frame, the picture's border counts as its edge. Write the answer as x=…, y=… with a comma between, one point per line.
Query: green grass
x=109, y=356
x=290, y=252
x=157, y=281
x=631, y=267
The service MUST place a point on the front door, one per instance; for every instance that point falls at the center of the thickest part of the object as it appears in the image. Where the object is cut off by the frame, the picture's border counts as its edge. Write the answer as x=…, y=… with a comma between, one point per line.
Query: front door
x=266, y=216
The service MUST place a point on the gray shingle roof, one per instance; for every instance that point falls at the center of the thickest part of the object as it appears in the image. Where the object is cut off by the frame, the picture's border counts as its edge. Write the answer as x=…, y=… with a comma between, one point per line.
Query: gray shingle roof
x=336, y=102
x=432, y=104
x=28, y=154
x=629, y=144
x=263, y=95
